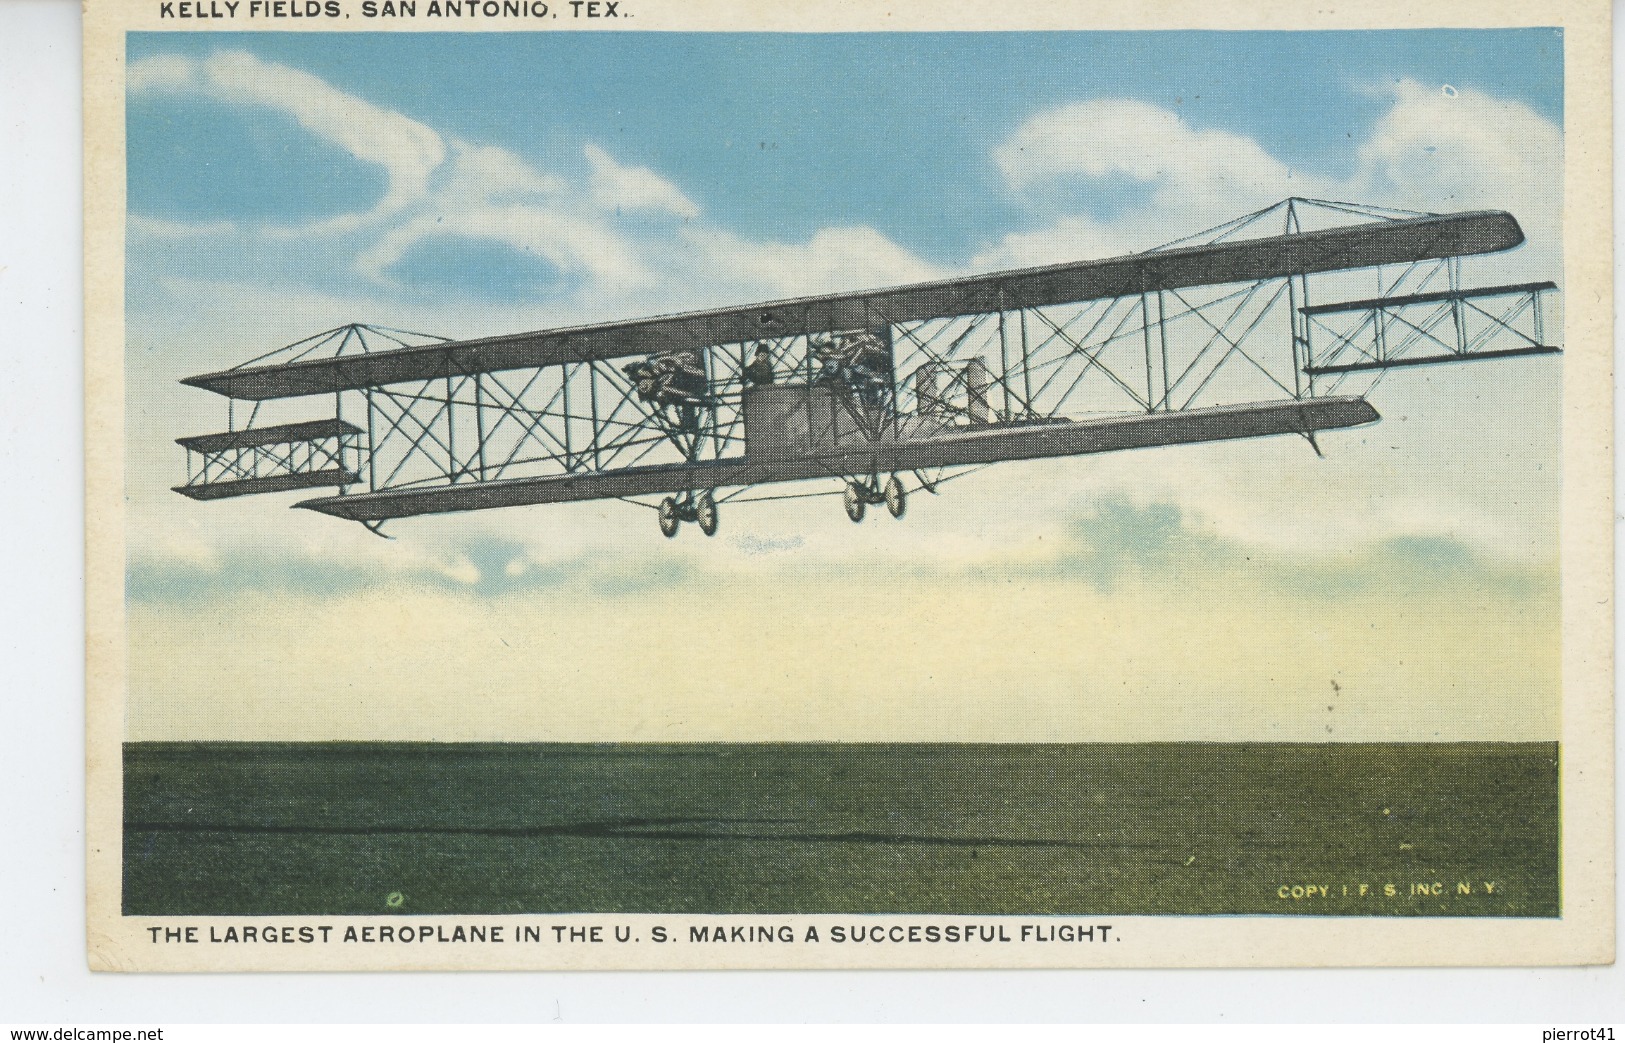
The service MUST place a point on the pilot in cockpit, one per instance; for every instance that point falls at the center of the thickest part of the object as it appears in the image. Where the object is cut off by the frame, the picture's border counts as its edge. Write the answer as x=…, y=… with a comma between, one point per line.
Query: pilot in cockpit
x=759, y=371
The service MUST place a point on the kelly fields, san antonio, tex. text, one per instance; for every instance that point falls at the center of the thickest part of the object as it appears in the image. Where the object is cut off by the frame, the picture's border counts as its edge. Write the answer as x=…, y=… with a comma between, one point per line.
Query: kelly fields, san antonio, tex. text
x=534, y=11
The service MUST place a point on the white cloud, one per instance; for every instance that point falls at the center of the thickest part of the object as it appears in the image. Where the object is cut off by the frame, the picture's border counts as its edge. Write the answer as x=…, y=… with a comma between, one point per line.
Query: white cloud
x=1191, y=178
x=496, y=175
x=1433, y=150
x=1070, y=237
x=570, y=244
x=832, y=259
x=492, y=195
x=162, y=72
x=159, y=228
x=1461, y=148
x=593, y=230
x=407, y=150
x=617, y=188
x=1115, y=136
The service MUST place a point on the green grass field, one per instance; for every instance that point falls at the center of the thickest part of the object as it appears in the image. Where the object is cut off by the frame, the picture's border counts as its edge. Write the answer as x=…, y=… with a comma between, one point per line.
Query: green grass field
x=334, y=828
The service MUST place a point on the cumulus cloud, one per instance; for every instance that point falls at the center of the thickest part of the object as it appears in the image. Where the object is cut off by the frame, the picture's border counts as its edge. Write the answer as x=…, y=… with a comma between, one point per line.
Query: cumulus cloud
x=593, y=230
x=833, y=259
x=570, y=244
x=159, y=228
x=161, y=72
x=1433, y=150
x=1108, y=136
x=407, y=150
x=1189, y=178
x=492, y=195
x=619, y=188
x=1460, y=149
x=1448, y=147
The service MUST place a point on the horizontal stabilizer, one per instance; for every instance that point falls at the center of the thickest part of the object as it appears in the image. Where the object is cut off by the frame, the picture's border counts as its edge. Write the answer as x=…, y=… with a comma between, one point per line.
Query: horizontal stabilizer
x=276, y=483
x=1434, y=297
x=281, y=434
x=1433, y=360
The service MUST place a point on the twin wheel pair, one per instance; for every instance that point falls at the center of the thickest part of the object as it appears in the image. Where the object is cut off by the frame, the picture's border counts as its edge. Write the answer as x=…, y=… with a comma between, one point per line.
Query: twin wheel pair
x=860, y=494
x=700, y=507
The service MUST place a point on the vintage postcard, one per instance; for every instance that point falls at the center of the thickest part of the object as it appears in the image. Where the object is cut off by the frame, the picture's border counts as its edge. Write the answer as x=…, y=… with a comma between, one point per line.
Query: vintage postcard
x=627, y=484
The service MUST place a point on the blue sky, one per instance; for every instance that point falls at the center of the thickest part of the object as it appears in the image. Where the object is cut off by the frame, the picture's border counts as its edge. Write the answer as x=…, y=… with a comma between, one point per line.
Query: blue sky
x=781, y=135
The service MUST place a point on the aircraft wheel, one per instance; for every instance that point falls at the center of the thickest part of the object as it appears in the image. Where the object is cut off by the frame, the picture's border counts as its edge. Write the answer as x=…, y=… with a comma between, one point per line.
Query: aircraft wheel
x=854, y=501
x=668, y=517
x=705, y=512
x=896, y=498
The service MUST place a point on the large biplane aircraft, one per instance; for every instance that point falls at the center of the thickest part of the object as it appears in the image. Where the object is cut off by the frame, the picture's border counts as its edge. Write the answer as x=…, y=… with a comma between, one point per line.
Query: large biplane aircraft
x=875, y=395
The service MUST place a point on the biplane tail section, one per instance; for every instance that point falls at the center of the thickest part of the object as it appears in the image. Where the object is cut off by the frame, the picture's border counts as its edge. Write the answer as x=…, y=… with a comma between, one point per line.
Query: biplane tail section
x=271, y=459
x=1421, y=329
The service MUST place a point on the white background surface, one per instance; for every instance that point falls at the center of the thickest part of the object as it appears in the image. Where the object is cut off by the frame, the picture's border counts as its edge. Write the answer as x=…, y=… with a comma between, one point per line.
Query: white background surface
x=43, y=979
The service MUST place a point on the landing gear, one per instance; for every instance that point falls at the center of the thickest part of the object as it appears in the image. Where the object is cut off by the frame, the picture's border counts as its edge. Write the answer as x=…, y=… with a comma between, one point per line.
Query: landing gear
x=896, y=498
x=698, y=507
x=856, y=501
x=705, y=512
x=859, y=495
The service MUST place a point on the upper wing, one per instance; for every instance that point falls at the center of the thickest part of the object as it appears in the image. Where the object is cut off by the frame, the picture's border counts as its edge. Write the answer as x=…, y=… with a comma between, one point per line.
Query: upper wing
x=1359, y=246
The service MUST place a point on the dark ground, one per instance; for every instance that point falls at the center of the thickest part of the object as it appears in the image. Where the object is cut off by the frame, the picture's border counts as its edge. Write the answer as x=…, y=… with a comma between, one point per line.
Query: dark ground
x=335, y=828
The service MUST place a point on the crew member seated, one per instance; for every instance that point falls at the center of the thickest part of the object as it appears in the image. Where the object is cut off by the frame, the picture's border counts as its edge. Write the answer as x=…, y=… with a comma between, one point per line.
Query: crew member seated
x=668, y=379
x=759, y=371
